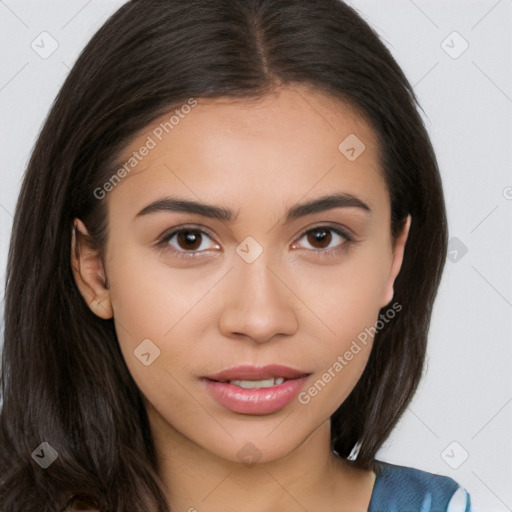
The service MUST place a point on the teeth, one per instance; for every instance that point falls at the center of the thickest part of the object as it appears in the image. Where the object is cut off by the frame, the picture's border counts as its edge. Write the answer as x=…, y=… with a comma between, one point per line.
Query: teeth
x=254, y=384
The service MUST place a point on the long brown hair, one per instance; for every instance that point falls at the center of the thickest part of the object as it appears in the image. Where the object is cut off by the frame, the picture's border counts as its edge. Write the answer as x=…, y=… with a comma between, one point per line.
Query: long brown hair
x=63, y=378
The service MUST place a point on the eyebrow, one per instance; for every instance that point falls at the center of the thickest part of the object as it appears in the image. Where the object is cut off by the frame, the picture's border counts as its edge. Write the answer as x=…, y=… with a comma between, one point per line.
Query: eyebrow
x=321, y=204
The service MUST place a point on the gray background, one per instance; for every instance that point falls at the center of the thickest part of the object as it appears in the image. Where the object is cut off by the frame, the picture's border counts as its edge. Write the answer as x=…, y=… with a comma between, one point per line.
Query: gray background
x=459, y=423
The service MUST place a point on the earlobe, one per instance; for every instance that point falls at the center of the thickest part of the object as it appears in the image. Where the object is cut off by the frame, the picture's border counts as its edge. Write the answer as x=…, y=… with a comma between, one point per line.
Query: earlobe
x=89, y=272
x=398, y=256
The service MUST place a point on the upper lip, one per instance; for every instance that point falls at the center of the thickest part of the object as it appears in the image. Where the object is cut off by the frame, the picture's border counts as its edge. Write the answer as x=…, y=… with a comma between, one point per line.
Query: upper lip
x=248, y=372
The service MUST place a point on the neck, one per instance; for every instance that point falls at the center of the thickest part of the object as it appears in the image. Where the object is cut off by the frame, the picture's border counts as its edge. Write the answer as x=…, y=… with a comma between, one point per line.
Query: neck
x=309, y=477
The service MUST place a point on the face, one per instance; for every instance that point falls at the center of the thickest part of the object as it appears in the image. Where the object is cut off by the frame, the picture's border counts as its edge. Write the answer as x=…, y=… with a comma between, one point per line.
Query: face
x=262, y=282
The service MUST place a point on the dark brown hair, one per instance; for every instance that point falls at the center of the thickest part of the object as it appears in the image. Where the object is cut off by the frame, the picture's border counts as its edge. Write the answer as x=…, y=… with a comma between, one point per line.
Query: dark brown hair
x=64, y=380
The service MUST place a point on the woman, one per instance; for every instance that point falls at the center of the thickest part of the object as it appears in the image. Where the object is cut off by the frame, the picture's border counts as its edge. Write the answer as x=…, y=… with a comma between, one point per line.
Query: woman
x=188, y=342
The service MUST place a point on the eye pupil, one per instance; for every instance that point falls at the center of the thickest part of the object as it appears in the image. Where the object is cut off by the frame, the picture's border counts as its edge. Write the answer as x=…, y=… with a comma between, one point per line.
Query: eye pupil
x=320, y=235
x=191, y=238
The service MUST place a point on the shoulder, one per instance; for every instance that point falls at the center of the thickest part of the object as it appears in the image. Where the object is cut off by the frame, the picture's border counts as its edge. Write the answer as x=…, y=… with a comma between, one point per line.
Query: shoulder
x=401, y=488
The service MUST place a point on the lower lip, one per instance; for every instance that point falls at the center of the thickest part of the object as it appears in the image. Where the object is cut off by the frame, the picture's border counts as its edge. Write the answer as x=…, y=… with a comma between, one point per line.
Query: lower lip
x=254, y=401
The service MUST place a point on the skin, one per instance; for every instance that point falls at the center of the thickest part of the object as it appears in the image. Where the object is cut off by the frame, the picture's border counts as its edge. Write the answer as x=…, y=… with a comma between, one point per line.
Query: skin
x=291, y=306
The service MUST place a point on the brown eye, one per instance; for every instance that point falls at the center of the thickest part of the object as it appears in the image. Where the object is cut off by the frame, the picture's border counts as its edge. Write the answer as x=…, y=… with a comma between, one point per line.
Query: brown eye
x=326, y=240
x=319, y=238
x=189, y=240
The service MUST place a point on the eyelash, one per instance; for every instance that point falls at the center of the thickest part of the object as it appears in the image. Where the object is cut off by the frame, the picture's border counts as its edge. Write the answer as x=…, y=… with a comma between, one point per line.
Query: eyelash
x=163, y=241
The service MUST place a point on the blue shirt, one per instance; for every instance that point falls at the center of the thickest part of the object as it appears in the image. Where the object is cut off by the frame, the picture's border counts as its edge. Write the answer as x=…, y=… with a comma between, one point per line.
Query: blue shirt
x=404, y=489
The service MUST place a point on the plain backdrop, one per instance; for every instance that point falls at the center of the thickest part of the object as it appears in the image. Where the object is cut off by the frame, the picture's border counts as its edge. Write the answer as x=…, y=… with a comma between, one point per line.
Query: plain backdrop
x=458, y=56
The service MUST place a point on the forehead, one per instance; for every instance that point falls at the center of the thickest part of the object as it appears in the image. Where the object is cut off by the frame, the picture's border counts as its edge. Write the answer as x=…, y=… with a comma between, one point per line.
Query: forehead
x=291, y=142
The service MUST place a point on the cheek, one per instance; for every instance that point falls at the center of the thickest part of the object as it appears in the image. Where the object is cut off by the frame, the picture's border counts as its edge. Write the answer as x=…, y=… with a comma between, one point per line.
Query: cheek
x=169, y=307
x=346, y=302
x=144, y=309
x=149, y=298
x=347, y=297
x=342, y=357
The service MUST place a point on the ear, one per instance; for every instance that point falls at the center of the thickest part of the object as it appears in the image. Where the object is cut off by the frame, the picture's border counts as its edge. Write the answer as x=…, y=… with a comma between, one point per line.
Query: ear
x=89, y=272
x=398, y=256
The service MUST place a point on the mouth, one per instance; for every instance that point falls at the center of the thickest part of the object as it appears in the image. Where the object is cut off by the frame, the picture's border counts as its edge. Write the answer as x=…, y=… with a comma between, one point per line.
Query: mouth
x=255, y=390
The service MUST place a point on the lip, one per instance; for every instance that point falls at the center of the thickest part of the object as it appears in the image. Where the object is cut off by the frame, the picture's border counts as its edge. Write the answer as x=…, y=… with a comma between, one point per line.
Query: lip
x=248, y=372
x=255, y=401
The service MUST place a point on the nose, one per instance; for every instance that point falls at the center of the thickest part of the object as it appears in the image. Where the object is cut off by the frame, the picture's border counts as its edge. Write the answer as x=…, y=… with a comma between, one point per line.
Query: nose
x=259, y=304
